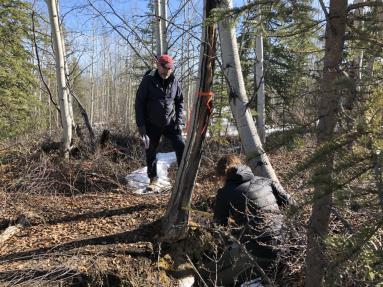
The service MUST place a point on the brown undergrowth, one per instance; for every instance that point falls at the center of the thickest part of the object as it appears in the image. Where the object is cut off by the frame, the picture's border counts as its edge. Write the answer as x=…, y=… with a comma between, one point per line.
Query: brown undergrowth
x=84, y=227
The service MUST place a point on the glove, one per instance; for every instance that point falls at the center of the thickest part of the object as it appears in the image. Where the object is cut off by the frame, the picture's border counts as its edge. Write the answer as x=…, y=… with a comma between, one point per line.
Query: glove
x=146, y=141
x=142, y=131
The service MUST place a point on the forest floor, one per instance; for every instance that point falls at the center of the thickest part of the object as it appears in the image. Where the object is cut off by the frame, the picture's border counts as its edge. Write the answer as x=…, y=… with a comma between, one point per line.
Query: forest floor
x=76, y=224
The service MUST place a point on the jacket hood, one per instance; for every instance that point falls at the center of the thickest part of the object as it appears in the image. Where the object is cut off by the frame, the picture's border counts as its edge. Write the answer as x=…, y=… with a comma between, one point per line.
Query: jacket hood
x=240, y=173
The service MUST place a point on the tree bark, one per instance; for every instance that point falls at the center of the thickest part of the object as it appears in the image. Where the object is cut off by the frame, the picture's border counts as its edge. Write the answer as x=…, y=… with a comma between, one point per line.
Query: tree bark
x=260, y=84
x=66, y=120
x=175, y=221
x=158, y=29
x=327, y=111
x=164, y=24
x=256, y=156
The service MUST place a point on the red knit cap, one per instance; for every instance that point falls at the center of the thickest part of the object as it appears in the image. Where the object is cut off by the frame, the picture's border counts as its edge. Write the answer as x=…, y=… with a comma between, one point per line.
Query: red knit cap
x=166, y=61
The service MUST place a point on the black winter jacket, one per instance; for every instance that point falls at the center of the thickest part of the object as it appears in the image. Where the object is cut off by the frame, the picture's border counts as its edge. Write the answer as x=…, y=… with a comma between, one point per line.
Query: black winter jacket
x=250, y=201
x=158, y=101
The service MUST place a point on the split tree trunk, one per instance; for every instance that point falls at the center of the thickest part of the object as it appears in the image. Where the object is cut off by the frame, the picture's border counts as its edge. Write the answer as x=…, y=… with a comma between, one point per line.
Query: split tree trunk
x=257, y=158
x=62, y=87
x=174, y=224
x=327, y=111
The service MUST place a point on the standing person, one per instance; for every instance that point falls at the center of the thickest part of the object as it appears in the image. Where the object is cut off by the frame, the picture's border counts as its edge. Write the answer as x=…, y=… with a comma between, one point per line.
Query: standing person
x=159, y=108
x=249, y=201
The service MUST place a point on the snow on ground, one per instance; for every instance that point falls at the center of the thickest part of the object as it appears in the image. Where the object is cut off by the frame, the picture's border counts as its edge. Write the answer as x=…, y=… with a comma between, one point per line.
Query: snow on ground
x=138, y=180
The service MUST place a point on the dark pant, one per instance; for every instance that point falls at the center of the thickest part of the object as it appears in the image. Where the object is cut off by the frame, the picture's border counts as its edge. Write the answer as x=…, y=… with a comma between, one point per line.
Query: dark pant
x=154, y=133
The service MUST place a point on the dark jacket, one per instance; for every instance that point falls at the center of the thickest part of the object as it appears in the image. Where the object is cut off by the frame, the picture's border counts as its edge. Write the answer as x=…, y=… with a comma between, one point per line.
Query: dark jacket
x=250, y=202
x=158, y=101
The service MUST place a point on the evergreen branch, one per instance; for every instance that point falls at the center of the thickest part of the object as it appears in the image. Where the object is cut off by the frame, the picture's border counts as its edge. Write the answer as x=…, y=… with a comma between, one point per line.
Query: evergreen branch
x=322, y=151
x=364, y=4
x=357, y=247
x=363, y=36
x=345, y=223
x=39, y=63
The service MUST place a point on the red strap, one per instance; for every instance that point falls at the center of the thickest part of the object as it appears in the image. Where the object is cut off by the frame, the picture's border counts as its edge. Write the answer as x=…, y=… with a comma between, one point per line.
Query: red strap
x=209, y=105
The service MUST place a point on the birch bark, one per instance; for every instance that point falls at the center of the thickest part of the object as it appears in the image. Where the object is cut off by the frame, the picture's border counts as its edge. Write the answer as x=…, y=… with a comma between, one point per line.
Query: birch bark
x=62, y=87
x=252, y=144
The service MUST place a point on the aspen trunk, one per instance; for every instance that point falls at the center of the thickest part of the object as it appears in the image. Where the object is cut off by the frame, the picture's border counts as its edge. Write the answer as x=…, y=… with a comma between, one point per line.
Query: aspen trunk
x=327, y=111
x=158, y=29
x=260, y=85
x=70, y=100
x=62, y=88
x=176, y=217
x=257, y=158
x=164, y=25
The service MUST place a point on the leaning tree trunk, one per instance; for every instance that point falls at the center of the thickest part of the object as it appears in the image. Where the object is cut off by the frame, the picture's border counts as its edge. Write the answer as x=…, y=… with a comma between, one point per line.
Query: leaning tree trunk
x=177, y=214
x=62, y=87
x=327, y=112
x=257, y=158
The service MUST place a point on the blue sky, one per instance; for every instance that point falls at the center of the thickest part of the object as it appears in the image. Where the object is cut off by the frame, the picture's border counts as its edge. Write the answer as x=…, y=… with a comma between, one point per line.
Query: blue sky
x=135, y=8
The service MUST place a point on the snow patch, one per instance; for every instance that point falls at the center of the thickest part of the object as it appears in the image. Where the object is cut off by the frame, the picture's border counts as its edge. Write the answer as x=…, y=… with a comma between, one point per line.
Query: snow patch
x=138, y=180
x=186, y=281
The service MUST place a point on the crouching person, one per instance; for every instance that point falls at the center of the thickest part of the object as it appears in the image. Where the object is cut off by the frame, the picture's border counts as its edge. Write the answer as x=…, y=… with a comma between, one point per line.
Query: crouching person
x=249, y=202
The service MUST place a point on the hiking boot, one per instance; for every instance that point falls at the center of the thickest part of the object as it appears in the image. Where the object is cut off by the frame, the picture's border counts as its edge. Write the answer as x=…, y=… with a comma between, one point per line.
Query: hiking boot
x=153, y=185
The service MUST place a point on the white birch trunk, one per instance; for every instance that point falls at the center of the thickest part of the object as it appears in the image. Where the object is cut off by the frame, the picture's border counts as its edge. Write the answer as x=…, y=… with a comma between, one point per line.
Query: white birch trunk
x=70, y=101
x=358, y=61
x=260, y=86
x=61, y=79
x=92, y=85
x=157, y=26
x=164, y=25
x=257, y=158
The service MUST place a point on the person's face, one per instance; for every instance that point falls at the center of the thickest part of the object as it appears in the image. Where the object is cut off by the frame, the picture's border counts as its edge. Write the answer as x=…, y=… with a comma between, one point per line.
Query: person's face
x=163, y=71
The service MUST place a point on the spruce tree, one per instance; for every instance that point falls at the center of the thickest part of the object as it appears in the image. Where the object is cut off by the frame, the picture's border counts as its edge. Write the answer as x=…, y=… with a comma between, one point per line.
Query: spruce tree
x=16, y=70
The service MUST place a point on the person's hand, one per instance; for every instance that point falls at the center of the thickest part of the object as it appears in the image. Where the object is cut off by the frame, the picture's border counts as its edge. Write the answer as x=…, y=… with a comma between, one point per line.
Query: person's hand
x=142, y=131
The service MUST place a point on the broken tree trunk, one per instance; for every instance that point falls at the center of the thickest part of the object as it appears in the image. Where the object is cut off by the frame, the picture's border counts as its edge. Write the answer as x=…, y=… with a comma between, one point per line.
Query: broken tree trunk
x=256, y=156
x=175, y=221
